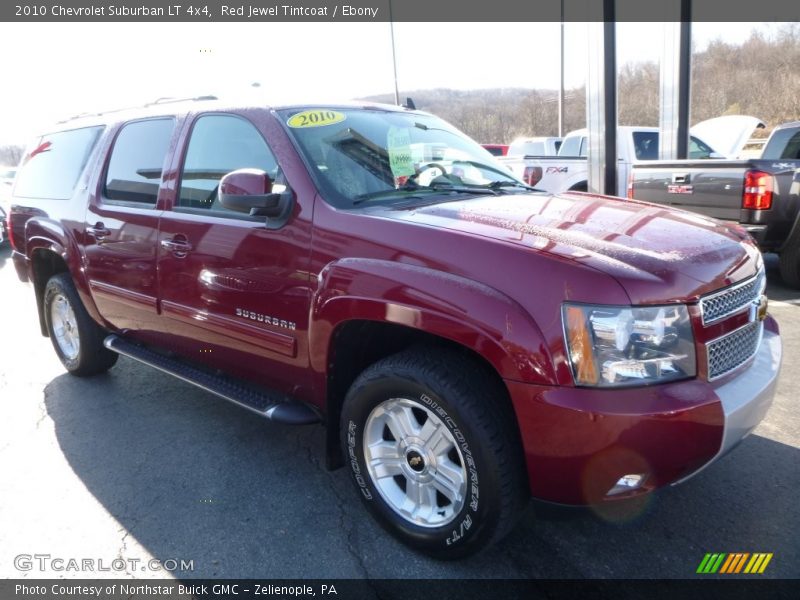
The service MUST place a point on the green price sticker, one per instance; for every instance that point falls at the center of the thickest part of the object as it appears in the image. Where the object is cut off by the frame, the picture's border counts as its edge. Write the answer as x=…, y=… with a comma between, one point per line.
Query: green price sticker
x=398, y=142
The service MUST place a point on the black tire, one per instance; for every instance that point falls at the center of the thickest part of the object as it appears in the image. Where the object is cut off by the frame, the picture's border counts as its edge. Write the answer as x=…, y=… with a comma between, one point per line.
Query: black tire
x=580, y=187
x=790, y=262
x=474, y=410
x=90, y=356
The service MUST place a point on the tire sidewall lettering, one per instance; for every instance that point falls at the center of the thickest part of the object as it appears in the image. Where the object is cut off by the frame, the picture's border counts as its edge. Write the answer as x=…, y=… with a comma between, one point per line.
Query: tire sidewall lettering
x=461, y=527
x=455, y=531
x=472, y=468
x=352, y=430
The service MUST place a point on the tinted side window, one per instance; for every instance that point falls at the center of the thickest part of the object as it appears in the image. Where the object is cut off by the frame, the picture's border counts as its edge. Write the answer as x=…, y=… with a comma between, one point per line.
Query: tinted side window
x=134, y=171
x=55, y=162
x=784, y=143
x=698, y=149
x=645, y=145
x=218, y=145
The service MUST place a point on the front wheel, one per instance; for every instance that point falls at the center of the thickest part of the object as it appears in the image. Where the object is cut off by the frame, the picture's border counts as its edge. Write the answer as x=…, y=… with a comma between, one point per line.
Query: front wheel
x=77, y=339
x=433, y=451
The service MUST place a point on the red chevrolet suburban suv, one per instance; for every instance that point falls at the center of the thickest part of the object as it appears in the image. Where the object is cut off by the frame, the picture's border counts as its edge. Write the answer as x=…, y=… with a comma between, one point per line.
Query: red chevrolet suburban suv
x=466, y=341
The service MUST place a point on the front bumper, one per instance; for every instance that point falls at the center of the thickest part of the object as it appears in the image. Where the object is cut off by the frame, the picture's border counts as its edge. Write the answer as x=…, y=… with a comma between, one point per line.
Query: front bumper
x=746, y=398
x=579, y=442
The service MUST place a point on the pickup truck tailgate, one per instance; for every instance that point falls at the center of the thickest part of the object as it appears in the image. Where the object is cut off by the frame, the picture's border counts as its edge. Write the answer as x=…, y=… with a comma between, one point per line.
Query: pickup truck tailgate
x=715, y=193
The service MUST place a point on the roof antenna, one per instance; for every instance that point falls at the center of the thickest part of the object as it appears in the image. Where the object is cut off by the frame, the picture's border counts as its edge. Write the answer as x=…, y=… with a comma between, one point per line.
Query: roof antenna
x=410, y=104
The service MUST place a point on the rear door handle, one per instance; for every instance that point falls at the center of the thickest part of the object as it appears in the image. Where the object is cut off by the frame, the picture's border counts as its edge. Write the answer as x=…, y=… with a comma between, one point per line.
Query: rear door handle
x=98, y=232
x=179, y=246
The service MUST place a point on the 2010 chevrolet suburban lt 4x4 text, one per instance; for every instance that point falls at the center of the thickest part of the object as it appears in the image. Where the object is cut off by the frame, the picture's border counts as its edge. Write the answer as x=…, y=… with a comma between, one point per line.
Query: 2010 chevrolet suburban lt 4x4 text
x=466, y=342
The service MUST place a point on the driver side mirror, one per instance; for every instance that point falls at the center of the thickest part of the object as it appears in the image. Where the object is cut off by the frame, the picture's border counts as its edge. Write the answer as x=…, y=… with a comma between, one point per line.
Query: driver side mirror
x=252, y=191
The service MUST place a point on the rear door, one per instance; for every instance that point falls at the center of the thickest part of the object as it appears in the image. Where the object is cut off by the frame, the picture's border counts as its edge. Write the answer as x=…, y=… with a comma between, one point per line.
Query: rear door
x=234, y=294
x=121, y=226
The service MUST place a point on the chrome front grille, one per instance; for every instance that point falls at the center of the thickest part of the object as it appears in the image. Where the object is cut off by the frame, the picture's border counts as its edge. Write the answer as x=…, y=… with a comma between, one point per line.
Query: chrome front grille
x=725, y=302
x=734, y=349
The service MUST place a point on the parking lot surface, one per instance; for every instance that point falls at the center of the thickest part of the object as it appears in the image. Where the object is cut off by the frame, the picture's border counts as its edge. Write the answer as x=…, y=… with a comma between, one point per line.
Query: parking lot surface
x=137, y=465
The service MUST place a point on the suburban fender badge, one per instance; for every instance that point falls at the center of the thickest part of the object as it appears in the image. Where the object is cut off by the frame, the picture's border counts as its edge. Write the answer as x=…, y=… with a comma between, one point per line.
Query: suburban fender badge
x=265, y=319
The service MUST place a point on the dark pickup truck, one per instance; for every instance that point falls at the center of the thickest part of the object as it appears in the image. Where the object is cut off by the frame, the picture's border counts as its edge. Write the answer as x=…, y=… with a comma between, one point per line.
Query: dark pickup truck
x=465, y=342
x=761, y=195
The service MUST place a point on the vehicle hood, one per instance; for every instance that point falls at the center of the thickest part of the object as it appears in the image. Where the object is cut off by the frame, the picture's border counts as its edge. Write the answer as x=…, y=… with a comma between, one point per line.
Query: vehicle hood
x=657, y=254
x=727, y=135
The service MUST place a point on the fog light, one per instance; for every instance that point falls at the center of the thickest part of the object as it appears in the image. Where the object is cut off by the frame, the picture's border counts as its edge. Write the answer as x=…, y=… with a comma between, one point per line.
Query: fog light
x=626, y=483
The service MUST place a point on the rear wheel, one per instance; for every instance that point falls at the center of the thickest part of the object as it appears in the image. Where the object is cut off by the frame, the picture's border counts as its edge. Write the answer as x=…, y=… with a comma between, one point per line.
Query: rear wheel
x=76, y=338
x=433, y=451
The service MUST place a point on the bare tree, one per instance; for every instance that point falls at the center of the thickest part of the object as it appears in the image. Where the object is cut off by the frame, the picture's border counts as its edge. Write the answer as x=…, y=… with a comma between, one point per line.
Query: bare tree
x=759, y=76
x=11, y=155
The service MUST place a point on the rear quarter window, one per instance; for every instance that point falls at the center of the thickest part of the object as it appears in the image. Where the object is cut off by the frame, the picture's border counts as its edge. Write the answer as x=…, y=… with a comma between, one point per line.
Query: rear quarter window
x=54, y=162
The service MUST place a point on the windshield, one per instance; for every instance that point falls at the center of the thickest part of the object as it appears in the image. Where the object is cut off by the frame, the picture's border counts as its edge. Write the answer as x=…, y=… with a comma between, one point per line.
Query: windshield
x=378, y=156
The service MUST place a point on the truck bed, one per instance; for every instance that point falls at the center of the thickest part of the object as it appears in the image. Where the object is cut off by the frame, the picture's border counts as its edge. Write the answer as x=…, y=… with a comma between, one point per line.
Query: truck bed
x=716, y=188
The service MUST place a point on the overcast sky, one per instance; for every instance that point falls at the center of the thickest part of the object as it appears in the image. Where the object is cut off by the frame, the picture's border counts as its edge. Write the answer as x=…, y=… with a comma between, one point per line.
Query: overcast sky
x=51, y=71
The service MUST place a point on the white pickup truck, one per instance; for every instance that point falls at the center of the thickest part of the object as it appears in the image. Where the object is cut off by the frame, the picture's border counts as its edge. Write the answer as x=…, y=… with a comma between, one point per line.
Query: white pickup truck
x=534, y=146
x=721, y=137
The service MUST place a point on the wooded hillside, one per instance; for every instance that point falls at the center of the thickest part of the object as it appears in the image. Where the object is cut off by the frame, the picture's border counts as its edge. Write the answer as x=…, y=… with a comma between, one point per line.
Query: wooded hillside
x=760, y=77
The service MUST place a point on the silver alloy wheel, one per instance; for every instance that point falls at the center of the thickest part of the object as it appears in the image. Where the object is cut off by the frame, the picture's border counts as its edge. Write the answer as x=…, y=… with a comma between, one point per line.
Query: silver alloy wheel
x=65, y=327
x=415, y=463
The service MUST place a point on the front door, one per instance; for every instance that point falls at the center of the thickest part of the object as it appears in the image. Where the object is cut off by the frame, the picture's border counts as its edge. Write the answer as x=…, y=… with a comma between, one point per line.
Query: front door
x=234, y=294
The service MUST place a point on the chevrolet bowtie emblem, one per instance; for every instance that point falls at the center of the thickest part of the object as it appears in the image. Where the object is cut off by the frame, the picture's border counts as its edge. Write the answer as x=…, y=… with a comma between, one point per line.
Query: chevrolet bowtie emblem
x=758, y=308
x=414, y=461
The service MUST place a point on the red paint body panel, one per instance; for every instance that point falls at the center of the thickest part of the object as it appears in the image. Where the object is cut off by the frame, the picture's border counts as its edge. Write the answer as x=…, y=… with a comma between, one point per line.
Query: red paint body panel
x=579, y=442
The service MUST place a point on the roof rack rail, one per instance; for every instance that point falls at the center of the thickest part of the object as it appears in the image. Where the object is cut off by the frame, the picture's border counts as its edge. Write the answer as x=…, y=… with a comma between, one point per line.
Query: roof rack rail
x=73, y=117
x=156, y=102
x=170, y=99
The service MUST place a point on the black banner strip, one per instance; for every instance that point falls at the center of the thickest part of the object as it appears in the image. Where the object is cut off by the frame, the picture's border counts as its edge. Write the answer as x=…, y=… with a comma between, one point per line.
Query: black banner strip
x=385, y=10
x=732, y=588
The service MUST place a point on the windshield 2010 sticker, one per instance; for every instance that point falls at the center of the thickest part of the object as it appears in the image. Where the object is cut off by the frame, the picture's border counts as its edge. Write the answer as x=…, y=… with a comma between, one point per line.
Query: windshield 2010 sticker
x=318, y=117
x=398, y=143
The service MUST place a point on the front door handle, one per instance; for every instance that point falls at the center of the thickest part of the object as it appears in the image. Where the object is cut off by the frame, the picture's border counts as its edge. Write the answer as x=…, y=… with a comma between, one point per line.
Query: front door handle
x=98, y=232
x=179, y=246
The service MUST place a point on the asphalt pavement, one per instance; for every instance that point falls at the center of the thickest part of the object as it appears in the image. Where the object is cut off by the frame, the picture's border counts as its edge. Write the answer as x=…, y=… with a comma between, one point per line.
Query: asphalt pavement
x=135, y=465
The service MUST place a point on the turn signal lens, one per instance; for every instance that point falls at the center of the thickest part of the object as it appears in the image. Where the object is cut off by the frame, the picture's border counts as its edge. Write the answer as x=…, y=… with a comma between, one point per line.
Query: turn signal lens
x=580, y=346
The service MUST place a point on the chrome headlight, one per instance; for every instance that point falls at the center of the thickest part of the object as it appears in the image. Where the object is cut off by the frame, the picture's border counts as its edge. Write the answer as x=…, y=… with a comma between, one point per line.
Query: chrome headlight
x=611, y=346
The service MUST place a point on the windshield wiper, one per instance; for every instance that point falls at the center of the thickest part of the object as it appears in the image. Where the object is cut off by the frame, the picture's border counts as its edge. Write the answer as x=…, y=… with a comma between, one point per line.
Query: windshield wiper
x=463, y=189
x=411, y=191
x=496, y=185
